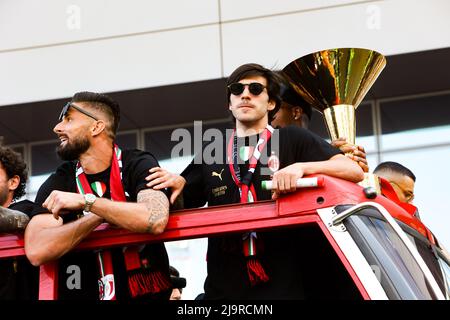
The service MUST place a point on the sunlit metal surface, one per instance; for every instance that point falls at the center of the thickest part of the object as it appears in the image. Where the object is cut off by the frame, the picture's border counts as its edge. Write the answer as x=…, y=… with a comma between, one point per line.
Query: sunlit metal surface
x=335, y=82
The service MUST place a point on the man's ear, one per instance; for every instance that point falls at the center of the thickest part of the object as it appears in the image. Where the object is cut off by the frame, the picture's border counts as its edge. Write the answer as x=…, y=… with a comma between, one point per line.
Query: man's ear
x=297, y=112
x=98, y=127
x=13, y=183
x=271, y=105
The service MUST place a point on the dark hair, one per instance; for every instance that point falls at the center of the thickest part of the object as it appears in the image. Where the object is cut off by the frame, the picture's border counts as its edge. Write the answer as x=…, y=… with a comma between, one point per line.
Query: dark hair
x=14, y=165
x=273, y=82
x=291, y=97
x=103, y=103
x=390, y=166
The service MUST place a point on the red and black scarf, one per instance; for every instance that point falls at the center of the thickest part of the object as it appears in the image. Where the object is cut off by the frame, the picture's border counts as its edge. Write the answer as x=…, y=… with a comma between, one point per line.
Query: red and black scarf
x=141, y=278
x=250, y=243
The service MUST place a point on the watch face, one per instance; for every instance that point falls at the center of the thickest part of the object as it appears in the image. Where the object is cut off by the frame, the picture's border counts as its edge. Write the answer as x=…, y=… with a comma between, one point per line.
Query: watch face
x=90, y=198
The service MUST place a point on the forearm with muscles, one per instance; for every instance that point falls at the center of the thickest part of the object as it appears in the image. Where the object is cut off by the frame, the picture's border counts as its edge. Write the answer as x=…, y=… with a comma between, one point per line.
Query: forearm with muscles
x=148, y=215
x=47, y=239
x=338, y=166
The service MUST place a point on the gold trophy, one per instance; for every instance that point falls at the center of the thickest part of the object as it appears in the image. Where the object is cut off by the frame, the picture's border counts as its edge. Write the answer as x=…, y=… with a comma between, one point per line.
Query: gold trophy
x=334, y=82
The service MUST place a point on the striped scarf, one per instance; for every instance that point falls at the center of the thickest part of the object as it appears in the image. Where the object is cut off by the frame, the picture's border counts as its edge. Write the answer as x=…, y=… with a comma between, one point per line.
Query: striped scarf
x=141, y=278
x=250, y=243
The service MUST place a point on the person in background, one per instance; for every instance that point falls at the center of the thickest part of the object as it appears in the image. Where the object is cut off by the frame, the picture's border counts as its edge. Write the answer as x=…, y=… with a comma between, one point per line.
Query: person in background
x=19, y=280
x=397, y=184
x=178, y=283
x=295, y=111
x=401, y=179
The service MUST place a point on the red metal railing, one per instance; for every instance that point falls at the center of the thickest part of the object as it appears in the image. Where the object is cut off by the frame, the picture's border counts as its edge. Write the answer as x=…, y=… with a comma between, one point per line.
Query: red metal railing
x=293, y=209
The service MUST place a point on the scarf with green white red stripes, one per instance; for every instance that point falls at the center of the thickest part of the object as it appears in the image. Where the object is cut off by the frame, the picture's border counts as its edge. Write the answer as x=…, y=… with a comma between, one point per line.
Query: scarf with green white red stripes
x=250, y=243
x=141, y=278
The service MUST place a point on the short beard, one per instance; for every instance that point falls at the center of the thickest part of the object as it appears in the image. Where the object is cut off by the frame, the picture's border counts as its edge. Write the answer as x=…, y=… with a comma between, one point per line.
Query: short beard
x=72, y=151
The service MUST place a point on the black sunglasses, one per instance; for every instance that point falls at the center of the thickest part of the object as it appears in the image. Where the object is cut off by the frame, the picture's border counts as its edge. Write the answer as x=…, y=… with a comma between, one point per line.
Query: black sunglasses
x=66, y=109
x=237, y=88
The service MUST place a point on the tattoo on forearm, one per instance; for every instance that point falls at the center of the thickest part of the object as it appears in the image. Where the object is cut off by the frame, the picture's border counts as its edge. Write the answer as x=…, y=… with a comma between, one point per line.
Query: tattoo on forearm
x=158, y=206
x=12, y=220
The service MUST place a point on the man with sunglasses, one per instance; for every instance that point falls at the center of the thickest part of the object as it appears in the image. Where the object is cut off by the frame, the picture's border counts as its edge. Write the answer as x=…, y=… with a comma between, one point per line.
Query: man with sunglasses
x=397, y=183
x=254, y=265
x=99, y=182
x=401, y=178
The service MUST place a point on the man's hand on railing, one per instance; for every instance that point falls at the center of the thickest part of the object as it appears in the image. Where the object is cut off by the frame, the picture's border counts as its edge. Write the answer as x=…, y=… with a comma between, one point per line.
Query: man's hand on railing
x=285, y=180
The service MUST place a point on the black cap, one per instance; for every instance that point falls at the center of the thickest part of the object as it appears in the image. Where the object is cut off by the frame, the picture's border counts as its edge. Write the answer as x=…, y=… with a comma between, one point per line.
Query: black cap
x=291, y=97
x=178, y=282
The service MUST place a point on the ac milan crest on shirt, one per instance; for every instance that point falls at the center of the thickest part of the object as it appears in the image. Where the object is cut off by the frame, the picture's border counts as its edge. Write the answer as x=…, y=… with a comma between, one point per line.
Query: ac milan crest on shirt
x=273, y=163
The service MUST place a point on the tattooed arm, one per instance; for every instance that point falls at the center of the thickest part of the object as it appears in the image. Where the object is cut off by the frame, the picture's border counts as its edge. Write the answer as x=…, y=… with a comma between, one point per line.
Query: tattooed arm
x=47, y=238
x=157, y=205
x=149, y=214
x=12, y=220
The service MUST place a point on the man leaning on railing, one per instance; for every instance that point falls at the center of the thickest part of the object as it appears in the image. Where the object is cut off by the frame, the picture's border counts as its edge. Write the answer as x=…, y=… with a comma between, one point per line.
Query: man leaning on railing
x=263, y=264
x=19, y=280
x=99, y=182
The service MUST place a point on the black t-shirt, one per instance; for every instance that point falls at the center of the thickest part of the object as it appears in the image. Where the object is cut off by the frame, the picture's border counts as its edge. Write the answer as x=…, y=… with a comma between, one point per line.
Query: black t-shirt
x=19, y=280
x=213, y=184
x=136, y=164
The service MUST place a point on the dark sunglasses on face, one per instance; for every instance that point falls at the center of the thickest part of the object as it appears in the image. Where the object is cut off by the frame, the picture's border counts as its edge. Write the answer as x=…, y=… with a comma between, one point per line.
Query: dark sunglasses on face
x=237, y=88
x=66, y=109
x=409, y=196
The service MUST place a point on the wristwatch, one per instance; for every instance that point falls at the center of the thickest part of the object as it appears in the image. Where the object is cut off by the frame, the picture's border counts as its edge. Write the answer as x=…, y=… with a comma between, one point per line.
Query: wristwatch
x=89, y=199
